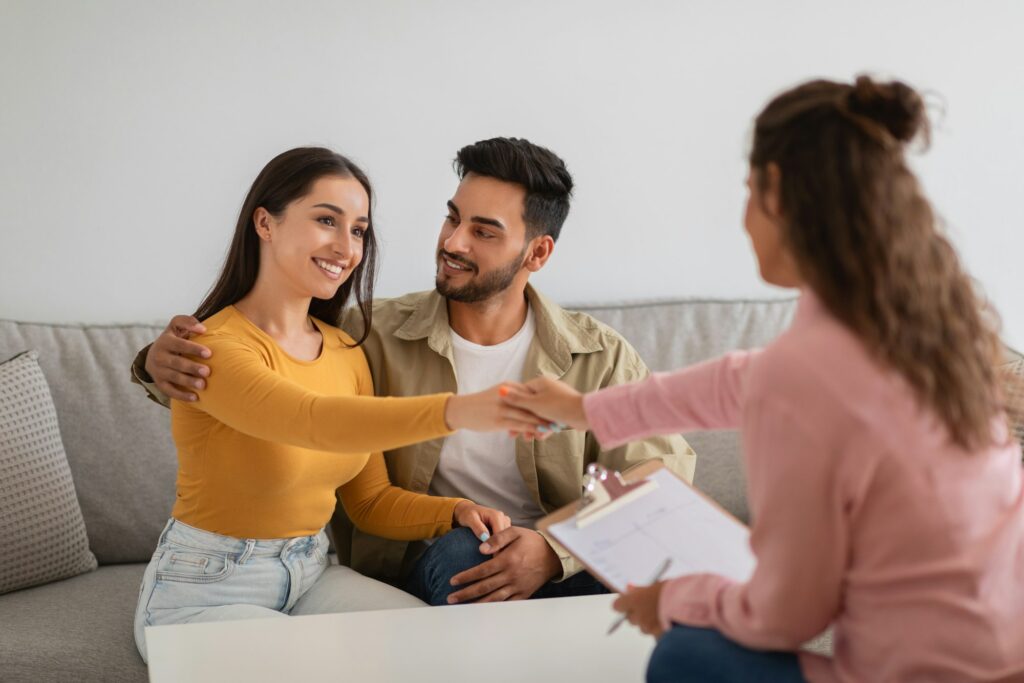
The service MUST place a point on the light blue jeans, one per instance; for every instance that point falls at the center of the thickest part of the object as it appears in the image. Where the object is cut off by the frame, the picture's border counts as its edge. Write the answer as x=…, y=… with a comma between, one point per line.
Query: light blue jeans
x=196, y=576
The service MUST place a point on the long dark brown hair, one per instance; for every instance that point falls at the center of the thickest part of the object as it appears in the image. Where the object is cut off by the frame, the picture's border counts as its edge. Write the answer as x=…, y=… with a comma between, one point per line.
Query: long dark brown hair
x=867, y=242
x=289, y=176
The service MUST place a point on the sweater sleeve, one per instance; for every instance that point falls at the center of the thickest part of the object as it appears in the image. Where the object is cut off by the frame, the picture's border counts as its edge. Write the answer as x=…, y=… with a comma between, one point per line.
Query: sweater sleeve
x=799, y=537
x=377, y=507
x=247, y=395
x=703, y=396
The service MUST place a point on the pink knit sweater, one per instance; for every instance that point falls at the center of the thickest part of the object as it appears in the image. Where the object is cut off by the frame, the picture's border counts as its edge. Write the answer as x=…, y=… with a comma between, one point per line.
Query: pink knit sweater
x=865, y=515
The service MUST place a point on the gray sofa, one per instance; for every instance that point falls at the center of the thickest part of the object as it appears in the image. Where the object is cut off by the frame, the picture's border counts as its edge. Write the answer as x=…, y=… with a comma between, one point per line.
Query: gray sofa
x=122, y=459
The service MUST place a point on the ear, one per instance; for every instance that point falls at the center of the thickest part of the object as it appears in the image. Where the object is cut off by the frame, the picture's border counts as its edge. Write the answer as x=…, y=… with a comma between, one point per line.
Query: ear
x=772, y=195
x=538, y=253
x=262, y=222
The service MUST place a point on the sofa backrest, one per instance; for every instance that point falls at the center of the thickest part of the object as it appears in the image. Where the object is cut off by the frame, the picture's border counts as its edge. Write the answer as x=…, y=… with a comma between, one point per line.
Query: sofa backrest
x=122, y=457
x=118, y=443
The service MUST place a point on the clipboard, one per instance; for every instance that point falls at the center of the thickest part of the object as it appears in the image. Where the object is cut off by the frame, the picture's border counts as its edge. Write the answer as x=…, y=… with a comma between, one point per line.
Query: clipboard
x=624, y=526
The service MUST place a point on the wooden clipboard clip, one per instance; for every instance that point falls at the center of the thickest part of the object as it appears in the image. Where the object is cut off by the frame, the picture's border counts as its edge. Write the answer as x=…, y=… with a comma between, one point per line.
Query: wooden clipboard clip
x=605, y=490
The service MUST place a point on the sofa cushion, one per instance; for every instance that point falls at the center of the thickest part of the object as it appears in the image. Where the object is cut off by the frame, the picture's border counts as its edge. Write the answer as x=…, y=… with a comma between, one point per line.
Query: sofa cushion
x=118, y=444
x=42, y=536
x=80, y=629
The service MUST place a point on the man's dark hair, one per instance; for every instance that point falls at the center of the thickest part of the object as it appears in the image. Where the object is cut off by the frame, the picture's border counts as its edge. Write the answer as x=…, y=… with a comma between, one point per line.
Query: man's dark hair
x=538, y=169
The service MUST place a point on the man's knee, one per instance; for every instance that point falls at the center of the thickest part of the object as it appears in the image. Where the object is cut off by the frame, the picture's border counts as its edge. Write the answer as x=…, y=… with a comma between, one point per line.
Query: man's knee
x=455, y=552
x=459, y=548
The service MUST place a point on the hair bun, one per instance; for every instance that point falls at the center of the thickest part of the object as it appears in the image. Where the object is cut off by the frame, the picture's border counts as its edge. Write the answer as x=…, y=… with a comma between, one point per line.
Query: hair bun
x=894, y=105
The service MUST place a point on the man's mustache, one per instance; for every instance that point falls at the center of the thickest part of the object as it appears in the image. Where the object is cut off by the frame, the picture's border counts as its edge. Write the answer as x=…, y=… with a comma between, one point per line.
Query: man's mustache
x=457, y=259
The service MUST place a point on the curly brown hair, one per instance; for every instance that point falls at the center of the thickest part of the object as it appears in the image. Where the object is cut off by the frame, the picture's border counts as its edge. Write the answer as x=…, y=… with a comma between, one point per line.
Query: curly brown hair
x=867, y=242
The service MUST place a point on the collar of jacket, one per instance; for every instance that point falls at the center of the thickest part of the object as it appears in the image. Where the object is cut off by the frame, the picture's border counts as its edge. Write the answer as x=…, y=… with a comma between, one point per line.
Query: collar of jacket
x=560, y=333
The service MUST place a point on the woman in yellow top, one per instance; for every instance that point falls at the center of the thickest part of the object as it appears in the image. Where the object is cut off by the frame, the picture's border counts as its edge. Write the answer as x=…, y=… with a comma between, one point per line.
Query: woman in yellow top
x=288, y=421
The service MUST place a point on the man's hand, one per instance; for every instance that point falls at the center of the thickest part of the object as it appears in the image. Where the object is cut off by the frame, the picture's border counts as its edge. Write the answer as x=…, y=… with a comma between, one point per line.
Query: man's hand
x=640, y=604
x=172, y=373
x=522, y=563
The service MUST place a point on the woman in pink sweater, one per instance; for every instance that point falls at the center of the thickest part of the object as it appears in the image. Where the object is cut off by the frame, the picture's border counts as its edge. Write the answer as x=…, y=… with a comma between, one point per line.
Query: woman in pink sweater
x=884, y=487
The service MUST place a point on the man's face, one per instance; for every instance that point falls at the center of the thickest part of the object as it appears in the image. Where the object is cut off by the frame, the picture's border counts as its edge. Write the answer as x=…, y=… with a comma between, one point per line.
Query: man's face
x=483, y=240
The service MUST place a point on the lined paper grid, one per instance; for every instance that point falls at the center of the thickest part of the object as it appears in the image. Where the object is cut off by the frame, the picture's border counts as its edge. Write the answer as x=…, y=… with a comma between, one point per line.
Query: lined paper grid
x=628, y=544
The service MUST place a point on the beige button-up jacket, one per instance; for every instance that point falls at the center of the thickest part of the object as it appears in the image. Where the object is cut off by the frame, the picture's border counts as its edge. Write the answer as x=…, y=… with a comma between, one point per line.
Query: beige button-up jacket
x=409, y=351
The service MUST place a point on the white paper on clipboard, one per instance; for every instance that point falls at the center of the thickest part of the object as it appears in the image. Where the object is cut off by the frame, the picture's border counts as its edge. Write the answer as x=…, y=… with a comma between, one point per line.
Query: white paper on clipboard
x=673, y=520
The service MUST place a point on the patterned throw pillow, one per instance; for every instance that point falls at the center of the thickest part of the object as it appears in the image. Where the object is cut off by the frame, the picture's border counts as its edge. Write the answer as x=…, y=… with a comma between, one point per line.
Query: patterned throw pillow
x=42, y=535
x=1014, y=386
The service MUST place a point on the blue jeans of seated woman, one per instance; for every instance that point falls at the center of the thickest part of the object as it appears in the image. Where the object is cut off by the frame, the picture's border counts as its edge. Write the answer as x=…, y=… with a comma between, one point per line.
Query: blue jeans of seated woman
x=459, y=550
x=198, y=575
x=685, y=653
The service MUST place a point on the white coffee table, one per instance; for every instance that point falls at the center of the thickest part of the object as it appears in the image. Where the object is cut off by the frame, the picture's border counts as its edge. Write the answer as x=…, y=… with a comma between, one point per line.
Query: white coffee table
x=561, y=640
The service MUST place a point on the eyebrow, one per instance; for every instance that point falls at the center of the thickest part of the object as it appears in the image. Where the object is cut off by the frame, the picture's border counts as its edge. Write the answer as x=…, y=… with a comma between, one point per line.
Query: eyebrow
x=338, y=210
x=483, y=220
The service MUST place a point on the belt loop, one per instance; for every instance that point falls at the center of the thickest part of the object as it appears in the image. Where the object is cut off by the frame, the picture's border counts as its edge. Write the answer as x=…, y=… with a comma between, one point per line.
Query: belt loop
x=163, y=534
x=249, y=545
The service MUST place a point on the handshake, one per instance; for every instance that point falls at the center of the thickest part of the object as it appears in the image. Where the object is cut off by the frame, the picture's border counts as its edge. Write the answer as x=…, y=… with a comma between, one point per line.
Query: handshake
x=534, y=410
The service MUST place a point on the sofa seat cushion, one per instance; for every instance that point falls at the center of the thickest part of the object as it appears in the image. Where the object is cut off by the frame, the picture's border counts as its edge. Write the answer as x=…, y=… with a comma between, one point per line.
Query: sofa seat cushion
x=79, y=629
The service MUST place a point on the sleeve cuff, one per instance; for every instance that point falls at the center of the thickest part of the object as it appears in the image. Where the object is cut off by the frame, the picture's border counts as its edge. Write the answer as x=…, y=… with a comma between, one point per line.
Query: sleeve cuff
x=687, y=599
x=570, y=565
x=142, y=378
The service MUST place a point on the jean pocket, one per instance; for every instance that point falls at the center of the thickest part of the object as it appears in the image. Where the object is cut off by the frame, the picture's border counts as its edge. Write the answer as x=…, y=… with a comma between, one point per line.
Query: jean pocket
x=193, y=566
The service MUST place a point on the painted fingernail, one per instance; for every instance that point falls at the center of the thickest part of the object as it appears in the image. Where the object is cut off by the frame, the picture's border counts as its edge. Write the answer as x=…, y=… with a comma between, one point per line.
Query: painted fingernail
x=542, y=429
x=503, y=391
x=484, y=536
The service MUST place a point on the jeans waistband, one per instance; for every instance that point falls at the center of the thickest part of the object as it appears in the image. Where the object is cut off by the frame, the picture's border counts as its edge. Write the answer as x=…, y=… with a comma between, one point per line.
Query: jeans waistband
x=178, y=532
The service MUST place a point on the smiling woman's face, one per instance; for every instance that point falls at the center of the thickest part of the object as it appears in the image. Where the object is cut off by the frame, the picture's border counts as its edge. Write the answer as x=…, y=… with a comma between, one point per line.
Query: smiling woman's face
x=313, y=246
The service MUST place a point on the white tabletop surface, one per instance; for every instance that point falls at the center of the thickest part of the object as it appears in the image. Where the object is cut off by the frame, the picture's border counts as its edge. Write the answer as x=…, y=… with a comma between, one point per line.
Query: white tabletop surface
x=561, y=639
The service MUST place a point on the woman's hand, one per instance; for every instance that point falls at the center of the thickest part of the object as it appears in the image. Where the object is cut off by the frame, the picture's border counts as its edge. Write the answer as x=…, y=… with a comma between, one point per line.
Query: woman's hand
x=482, y=521
x=556, y=401
x=486, y=411
x=640, y=605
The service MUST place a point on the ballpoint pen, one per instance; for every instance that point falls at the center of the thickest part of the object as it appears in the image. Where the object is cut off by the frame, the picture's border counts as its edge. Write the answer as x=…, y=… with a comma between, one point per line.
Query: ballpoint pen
x=657, y=577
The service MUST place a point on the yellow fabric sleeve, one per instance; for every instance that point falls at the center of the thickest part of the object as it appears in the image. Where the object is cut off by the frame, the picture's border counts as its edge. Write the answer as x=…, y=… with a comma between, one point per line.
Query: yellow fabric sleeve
x=248, y=396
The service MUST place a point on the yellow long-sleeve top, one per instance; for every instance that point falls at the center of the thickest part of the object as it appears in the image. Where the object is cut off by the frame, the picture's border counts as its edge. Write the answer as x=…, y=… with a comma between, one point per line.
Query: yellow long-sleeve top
x=271, y=439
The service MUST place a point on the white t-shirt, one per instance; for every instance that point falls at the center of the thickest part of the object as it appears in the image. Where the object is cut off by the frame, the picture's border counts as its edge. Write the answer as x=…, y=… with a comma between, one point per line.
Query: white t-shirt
x=482, y=466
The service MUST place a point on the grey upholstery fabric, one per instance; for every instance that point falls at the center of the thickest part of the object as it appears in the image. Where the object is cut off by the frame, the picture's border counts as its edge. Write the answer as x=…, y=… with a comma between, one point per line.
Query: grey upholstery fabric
x=42, y=536
x=119, y=447
x=74, y=630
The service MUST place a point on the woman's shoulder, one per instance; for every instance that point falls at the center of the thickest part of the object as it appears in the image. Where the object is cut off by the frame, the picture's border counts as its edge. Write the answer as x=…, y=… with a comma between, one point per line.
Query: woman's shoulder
x=230, y=330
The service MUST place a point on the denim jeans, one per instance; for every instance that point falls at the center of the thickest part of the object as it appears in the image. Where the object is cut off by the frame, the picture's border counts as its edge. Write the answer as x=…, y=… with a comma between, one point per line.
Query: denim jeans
x=459, y=550
x=685, y=653
x=197, y=576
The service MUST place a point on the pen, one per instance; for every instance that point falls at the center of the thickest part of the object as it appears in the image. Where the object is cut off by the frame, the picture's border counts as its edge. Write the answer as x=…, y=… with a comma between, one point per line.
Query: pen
x=657, y=577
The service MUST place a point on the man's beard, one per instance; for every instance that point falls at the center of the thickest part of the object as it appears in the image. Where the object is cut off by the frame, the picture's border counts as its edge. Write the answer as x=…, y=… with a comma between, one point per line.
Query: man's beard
x=482, y=288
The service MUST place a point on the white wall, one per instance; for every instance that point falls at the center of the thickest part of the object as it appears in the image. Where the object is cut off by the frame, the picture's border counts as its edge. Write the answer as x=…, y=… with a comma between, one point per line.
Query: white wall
x=129, y=131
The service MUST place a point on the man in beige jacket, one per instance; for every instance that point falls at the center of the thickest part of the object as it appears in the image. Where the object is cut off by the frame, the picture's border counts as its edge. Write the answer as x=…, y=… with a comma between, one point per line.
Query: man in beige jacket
x=483, y=323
